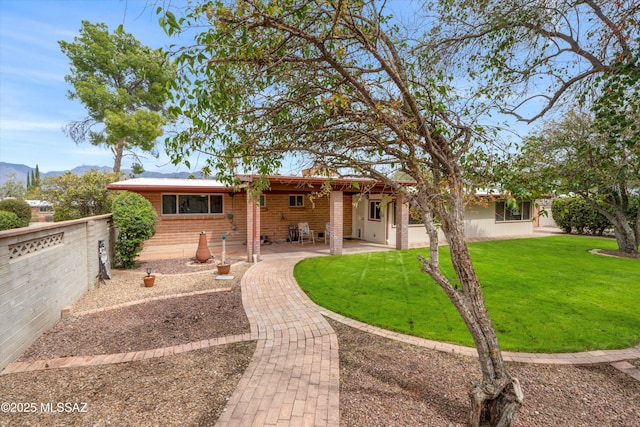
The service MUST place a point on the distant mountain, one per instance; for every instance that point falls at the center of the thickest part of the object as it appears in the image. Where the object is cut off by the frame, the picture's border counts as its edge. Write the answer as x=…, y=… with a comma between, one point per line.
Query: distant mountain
x=20, y=172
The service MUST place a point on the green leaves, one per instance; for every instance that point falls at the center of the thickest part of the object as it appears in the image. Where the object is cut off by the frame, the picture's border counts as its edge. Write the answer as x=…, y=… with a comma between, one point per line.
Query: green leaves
x=124, y=87
x=135, y=219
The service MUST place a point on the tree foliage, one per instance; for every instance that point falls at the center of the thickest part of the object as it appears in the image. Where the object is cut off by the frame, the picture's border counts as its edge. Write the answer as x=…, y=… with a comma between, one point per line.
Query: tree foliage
x=529, y=57
x=12, y=188
x=135, y=220
x=77, y=196
x=342, y=85
x=9, y=220
x=18, y=207
x=573, y=156
x=124, y=87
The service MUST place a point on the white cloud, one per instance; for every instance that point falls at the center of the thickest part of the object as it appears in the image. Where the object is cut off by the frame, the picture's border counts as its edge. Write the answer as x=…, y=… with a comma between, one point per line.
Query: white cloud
x=25, y=125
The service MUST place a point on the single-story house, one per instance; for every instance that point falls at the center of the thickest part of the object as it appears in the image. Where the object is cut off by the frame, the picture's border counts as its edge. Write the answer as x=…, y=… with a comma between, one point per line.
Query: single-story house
x=41, y=210
x=340, y=208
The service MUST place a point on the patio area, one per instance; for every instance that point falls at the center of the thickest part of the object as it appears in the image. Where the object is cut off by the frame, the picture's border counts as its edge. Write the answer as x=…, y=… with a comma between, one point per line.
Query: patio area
x=269, y=250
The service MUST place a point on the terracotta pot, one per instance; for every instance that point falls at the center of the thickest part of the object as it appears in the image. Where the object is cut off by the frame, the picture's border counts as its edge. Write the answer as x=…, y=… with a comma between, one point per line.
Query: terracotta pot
x=149, y=280
x=203, y=254
x=224, y=268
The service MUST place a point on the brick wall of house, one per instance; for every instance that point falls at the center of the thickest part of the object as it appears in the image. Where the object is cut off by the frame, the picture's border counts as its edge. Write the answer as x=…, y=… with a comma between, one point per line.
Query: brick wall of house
x=275, y=218
x=181, y=229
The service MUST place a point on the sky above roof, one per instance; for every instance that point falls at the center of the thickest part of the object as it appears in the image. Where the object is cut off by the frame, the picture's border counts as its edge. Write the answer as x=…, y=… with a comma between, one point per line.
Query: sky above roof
x=34, y=106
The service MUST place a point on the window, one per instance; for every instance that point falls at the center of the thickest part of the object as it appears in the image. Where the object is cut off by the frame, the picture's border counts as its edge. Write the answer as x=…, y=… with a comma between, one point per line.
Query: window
x=296, y=201
x=521, y=212
x=263, y=201
x=186, y=204
x=374, y=210
x=414, y=215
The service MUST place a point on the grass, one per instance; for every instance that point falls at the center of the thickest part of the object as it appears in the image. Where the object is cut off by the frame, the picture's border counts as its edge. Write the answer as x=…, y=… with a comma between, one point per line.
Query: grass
x=543, y=294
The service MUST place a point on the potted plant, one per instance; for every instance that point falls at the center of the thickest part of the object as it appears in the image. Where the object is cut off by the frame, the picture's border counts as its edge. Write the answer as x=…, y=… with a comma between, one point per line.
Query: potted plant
x=223, y=267
x=149, y=279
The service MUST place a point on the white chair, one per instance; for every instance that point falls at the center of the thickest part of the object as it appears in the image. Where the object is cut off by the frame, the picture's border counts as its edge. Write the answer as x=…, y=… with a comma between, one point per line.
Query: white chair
x=327, y=227
x=305, y=233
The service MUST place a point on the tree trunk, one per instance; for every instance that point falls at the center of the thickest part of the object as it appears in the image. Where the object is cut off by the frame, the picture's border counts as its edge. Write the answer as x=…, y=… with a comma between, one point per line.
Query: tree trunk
x=497, y=398
x=118, y=152
x=626, y=237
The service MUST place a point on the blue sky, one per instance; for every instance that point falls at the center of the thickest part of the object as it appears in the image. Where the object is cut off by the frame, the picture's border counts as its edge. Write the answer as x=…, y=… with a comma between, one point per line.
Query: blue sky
x=33, y=94
x=34, y=106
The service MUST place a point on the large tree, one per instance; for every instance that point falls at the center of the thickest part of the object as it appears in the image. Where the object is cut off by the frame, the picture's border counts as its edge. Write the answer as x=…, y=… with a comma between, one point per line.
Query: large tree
x=531, y=59
x=339, y=83
x=124, y=87
x=574, y=156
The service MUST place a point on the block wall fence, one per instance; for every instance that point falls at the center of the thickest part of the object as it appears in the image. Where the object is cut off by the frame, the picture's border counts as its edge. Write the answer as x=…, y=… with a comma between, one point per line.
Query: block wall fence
x=44, y=268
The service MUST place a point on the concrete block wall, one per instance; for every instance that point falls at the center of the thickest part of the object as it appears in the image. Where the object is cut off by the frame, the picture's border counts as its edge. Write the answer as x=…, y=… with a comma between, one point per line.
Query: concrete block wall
x=44, y=268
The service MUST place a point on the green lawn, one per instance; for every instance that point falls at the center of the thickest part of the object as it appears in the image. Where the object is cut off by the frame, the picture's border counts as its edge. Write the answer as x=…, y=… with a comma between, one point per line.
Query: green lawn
x=543, y=294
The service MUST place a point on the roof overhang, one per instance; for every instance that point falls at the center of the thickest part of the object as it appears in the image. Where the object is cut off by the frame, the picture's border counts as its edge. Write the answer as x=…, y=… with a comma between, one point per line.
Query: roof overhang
x=170, y=184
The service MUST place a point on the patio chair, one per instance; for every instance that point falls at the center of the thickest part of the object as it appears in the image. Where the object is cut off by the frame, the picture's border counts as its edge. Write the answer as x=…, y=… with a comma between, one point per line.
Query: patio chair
x=327, y=227
x=293, y=233
x=305, y=233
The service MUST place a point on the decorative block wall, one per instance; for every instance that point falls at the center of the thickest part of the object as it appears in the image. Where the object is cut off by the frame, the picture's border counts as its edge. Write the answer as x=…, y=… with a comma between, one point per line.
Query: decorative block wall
x=43, y=268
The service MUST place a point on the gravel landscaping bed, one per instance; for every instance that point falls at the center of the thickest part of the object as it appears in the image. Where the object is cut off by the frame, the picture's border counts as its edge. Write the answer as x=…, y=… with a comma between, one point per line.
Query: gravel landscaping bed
x=388, y=383
x=382, y=382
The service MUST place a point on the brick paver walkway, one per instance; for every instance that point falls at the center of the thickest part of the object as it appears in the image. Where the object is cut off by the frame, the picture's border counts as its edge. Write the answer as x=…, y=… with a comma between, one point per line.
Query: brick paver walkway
x=293, y=379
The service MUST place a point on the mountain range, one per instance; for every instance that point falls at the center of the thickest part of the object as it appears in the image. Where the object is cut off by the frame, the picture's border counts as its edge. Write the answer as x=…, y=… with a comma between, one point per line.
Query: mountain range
x=20, y=172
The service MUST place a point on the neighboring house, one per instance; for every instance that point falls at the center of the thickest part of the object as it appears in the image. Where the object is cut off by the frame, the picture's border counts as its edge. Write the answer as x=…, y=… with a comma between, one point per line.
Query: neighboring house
x=355, y=209
x=40, y=210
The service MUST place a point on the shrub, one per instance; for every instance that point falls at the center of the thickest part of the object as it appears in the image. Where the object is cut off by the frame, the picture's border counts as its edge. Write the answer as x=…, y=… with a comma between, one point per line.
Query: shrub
x=8, y=220
x=18, y=207
x=577, y=215
x=135, y=219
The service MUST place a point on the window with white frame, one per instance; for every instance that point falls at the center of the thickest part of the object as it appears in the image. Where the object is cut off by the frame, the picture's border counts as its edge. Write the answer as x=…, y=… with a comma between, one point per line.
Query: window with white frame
x=519, y=212
x=189, y=204
x=374, y=210
x=296, y=201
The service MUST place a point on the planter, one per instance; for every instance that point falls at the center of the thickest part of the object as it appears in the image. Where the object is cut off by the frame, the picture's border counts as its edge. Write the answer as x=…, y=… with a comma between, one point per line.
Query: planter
x=202, y=253
x=149, y=281
x=224, y=268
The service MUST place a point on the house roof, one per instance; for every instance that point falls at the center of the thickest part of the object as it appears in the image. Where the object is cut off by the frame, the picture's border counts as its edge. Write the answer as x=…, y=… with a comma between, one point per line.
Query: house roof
x=169, y=184
x=207, y=185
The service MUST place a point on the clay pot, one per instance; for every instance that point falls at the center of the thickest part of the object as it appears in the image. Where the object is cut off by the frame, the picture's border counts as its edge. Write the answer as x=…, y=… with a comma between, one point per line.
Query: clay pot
x=203, y=254
x=149, y=281
x=224, y=268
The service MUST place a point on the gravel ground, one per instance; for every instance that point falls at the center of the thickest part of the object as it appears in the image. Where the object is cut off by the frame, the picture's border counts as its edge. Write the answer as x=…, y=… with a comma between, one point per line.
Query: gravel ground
x=382, y=382
x=388, y=383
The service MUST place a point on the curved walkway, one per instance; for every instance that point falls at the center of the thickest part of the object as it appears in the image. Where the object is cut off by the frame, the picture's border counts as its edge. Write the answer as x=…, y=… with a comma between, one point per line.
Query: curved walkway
x=293, y=378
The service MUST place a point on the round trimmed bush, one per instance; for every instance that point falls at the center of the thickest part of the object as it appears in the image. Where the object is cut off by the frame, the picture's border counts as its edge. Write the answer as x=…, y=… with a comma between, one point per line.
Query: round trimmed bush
x=135, y=220
x=18, y=207
x=8, y=220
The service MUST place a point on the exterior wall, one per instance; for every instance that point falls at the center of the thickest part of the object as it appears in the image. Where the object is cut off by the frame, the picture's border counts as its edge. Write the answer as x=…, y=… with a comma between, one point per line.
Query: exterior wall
x=545, y=220
x=275, y=217
x=44, y=268
x=184, y=229
x=480, y=221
